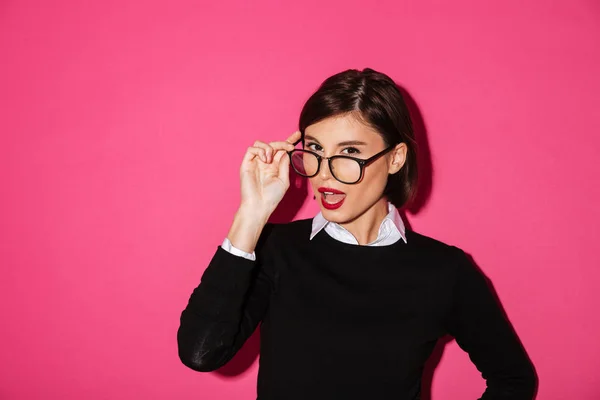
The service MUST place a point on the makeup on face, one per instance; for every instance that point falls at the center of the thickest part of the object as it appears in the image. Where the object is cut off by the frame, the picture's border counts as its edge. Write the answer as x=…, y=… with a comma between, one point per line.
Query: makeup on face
x=332, y=199
x=334, y=176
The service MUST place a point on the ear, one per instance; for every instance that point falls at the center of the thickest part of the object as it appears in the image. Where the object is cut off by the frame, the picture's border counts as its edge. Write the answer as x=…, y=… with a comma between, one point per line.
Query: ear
x=398, y=158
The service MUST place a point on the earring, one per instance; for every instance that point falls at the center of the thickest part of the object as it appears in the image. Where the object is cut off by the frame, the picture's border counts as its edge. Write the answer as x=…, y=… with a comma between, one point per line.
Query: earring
x=314, y=197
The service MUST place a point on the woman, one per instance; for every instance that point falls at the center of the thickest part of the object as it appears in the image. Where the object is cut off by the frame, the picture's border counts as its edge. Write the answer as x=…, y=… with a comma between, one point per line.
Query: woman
x=350, y=303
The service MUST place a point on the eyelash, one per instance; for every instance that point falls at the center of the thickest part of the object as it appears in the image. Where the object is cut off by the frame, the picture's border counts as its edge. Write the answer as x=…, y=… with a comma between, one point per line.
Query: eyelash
x=353, y=149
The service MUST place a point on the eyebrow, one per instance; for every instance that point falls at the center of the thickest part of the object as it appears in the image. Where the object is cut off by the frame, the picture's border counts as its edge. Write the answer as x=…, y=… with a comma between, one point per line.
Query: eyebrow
x=340, y=144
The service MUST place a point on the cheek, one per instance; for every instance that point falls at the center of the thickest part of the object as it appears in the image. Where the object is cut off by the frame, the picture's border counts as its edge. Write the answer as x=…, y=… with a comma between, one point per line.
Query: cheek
x=314, y=184
x=369, y=190
x=374, y=178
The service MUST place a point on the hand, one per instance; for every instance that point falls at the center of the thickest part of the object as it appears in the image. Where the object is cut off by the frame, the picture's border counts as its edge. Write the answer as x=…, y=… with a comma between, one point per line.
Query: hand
x=264, y=175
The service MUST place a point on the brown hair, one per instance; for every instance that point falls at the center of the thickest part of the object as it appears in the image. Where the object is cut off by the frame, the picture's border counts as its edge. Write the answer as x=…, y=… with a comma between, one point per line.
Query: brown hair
x=376, y=100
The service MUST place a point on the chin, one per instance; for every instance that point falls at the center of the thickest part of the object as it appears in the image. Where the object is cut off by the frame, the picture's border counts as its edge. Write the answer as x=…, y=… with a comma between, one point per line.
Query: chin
x=339, y=216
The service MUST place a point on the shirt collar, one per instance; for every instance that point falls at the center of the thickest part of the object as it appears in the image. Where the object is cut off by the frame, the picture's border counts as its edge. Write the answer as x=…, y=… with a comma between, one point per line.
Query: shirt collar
x=319, y=223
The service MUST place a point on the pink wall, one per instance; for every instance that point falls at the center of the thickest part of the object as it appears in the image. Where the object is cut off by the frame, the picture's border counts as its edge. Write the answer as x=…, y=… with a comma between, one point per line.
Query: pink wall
x=123, y=124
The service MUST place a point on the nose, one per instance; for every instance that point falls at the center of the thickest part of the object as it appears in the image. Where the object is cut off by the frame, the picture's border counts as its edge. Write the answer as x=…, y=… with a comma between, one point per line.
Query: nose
x=324, y=172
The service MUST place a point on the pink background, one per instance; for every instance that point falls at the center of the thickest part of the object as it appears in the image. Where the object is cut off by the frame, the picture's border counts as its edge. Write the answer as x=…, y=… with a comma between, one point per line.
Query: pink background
x=123, y=124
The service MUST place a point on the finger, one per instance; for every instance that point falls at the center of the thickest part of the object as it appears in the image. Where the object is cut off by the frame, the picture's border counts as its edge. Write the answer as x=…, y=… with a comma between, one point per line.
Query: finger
x=278, y=155
x=254, y=152
x=284, y=168
x=269, y=151
x=287, y=146
x=294, y=138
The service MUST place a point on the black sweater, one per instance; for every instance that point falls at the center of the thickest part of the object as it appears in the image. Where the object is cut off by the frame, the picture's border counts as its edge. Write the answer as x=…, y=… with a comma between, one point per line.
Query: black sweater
x=341, y=321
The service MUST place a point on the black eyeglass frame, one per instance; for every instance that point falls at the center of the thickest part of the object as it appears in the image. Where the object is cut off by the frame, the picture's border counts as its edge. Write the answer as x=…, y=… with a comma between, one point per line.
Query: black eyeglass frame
x=361, y=162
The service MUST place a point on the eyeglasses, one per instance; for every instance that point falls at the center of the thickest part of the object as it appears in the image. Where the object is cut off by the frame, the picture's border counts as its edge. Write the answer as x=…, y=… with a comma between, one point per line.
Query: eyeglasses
x=346, y=169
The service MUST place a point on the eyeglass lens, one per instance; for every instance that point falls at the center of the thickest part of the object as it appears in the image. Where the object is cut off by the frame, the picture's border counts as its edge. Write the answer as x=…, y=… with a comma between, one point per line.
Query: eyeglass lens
x=343, y=169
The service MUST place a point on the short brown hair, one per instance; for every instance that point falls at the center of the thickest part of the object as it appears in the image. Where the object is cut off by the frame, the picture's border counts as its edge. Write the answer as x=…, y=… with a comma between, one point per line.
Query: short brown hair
x=375, y=98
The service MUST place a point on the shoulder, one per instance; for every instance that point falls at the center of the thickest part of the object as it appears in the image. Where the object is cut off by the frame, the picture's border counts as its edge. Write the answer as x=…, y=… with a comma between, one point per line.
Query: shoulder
x=278, y=238
x=438, y=252
x=424, y=242
x=277, y=234
x=456, y=264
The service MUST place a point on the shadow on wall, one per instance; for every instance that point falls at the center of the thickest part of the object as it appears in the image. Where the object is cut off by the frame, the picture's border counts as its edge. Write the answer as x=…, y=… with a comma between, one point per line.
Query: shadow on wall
x=287, y=211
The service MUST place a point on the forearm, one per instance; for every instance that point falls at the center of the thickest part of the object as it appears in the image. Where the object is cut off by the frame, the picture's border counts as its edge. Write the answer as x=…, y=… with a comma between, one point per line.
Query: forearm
x=518, y=384
x=221, y=312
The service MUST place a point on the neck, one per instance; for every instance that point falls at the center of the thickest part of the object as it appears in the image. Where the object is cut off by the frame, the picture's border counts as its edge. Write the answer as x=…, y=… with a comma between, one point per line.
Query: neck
x=365, y=227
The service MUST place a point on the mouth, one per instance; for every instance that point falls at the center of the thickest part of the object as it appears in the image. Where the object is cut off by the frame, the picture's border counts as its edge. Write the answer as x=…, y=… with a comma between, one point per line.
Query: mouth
x=331, y=198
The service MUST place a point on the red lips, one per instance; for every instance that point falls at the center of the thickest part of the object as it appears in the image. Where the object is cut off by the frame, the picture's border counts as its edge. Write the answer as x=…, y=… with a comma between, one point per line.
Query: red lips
x=331, y=199
x=330, y=190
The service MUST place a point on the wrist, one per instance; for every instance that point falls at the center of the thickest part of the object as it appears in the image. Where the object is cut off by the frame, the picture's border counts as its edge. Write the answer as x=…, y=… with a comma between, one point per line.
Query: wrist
x=253, y=214
x=246, y=229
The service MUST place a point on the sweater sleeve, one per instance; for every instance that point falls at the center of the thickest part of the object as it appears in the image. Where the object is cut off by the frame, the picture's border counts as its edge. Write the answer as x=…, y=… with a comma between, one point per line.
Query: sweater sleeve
x=224, y=309
x=480, y=328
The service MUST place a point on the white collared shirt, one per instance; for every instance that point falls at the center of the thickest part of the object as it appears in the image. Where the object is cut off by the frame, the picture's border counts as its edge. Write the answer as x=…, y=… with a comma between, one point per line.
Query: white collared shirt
x=390, y=231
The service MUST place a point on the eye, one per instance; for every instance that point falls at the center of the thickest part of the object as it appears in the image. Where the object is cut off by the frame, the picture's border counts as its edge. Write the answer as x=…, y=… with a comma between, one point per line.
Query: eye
x=351, y=150
x=314, y=147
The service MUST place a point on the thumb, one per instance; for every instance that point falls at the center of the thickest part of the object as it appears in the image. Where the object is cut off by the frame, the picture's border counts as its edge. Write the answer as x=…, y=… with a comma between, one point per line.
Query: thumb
x=284, y=168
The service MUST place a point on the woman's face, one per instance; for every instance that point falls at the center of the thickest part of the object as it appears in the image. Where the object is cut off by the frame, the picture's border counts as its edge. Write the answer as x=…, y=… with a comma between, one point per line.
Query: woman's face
x=346, y=135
